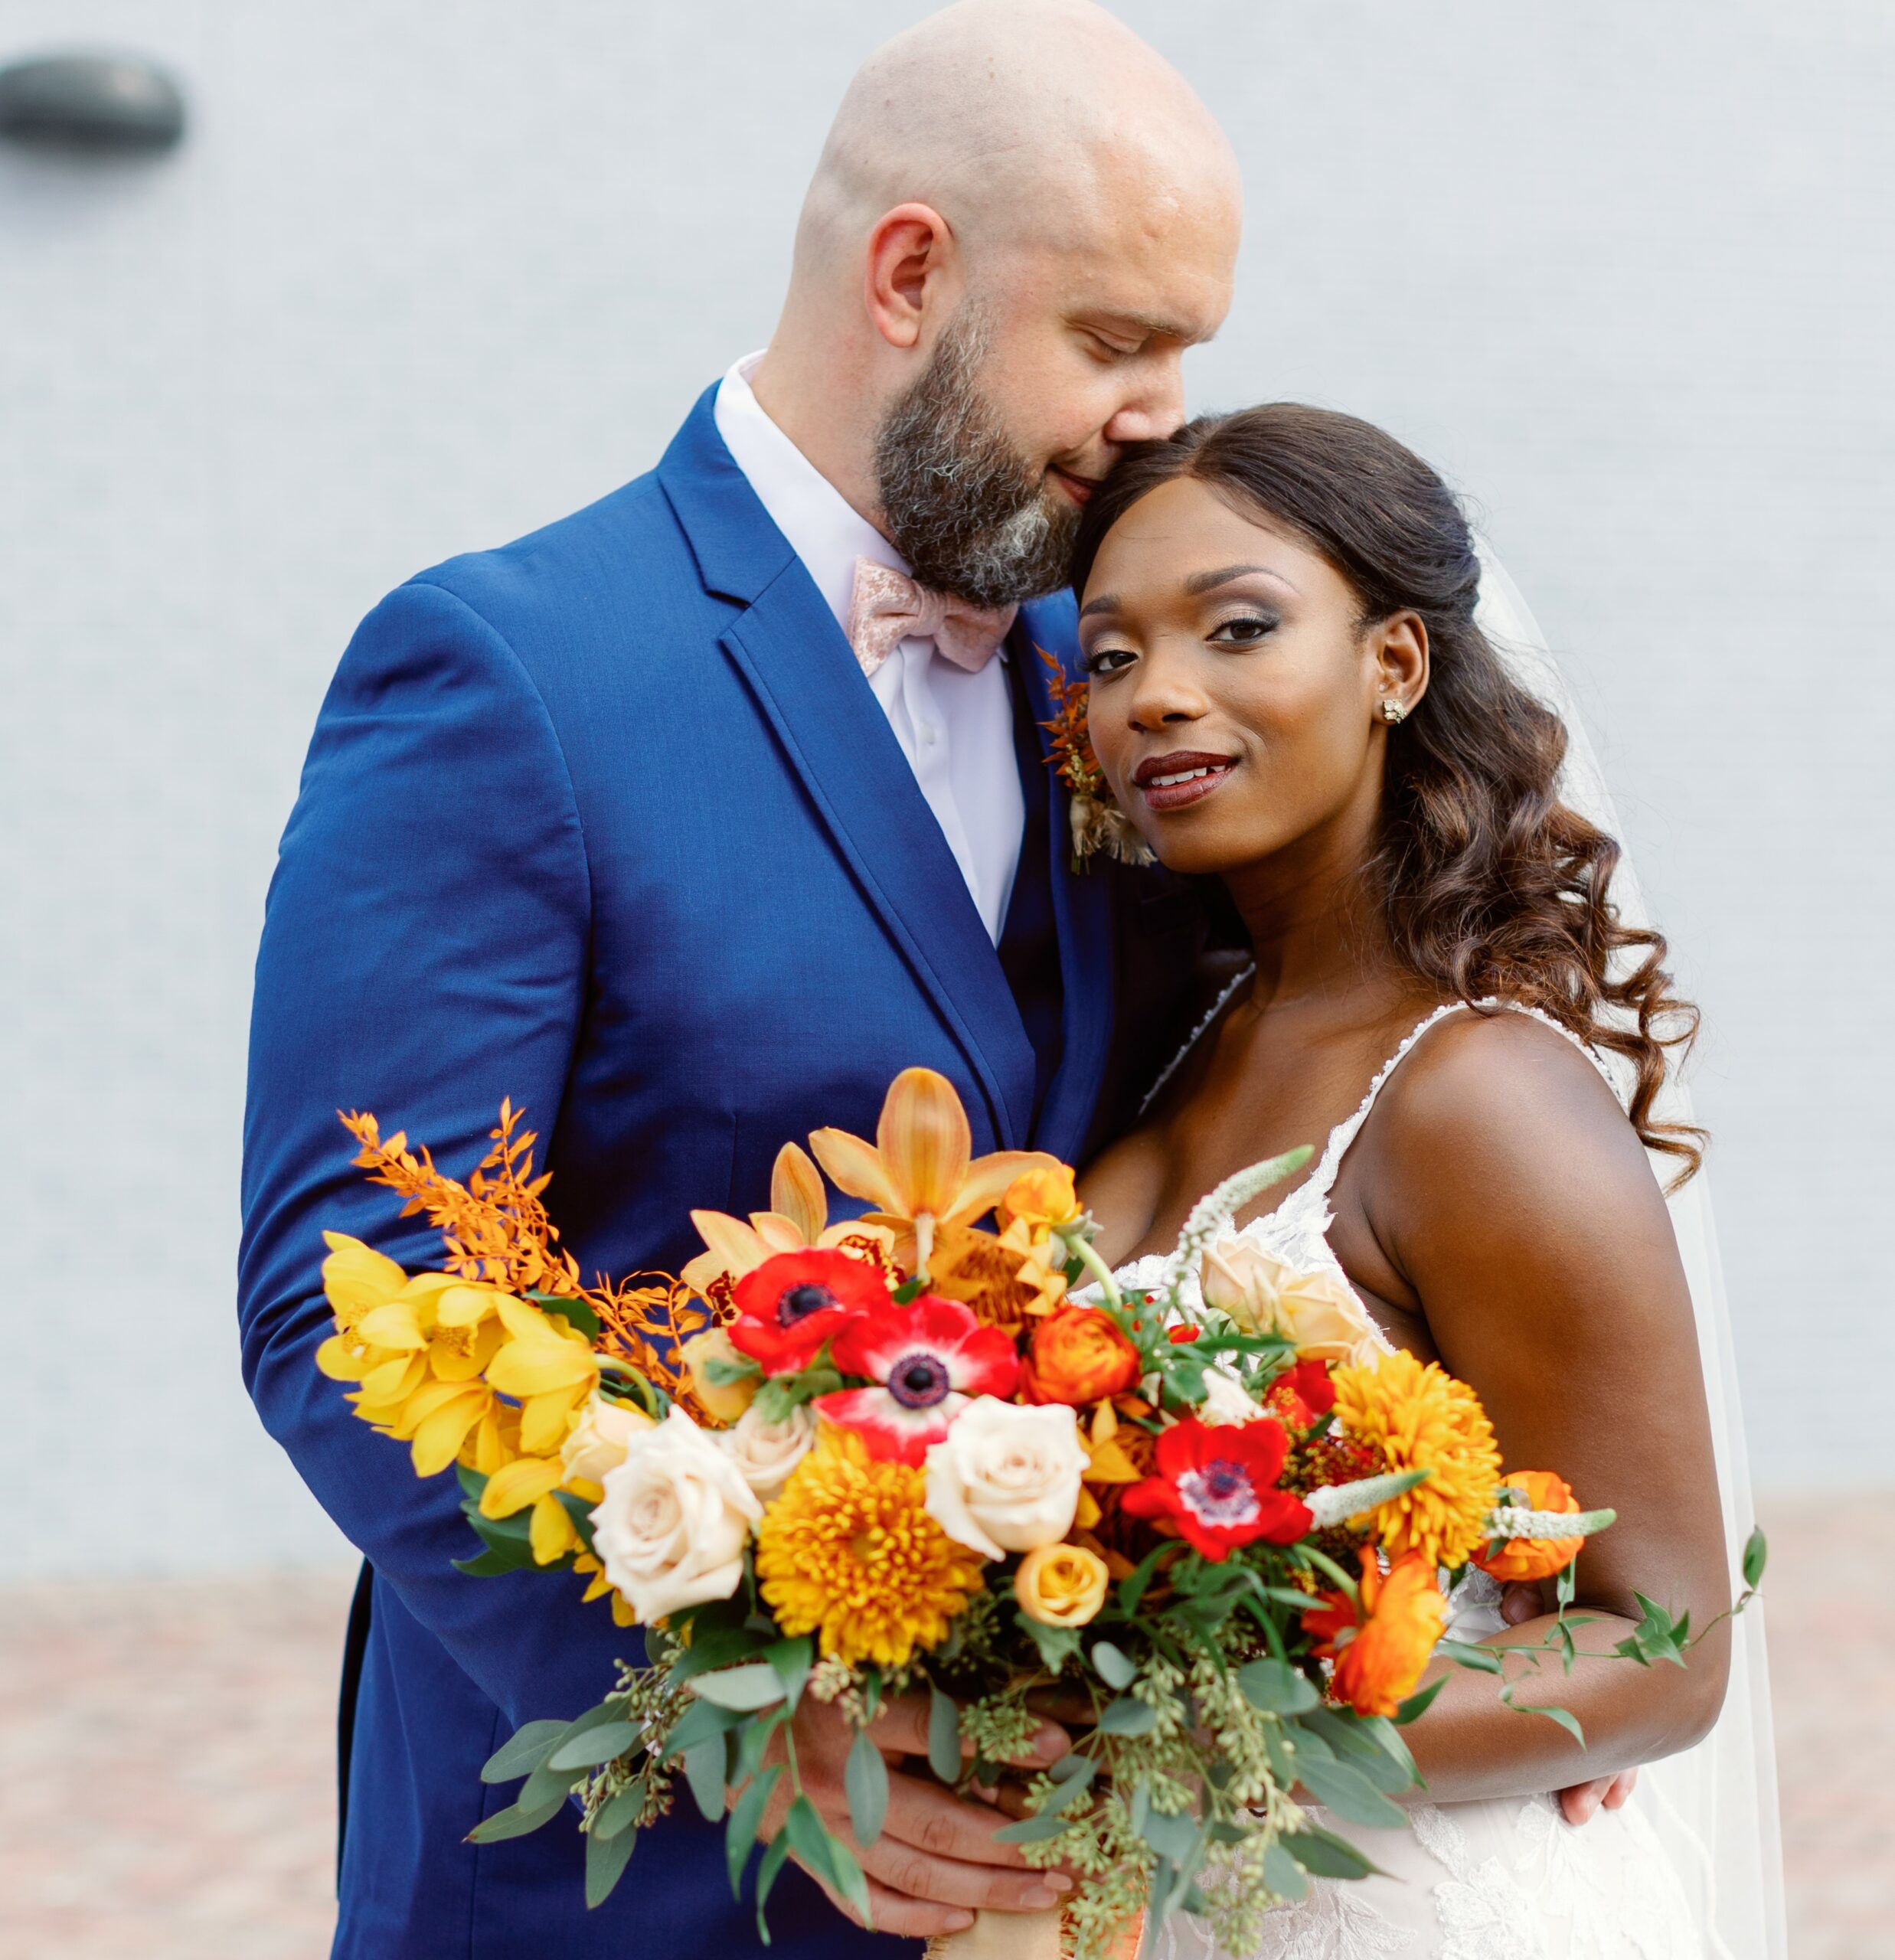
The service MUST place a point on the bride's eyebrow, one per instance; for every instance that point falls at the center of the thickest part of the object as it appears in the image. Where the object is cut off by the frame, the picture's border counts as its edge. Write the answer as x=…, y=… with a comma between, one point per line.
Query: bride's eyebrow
x=1202, y=582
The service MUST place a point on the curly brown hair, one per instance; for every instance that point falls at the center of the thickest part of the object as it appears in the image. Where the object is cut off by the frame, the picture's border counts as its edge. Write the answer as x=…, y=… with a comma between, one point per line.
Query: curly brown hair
x=1491, y=887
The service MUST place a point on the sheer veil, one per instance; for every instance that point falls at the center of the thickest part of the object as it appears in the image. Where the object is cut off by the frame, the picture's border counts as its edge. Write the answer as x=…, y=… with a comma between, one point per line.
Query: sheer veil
x=1714, y=1806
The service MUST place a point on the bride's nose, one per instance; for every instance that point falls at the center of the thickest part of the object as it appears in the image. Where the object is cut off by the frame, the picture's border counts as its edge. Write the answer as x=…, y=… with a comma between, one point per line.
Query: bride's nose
x=1163, y=695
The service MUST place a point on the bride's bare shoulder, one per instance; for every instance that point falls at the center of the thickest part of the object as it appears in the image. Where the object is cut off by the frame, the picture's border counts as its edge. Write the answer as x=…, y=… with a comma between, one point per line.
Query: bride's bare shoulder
x=1503, y=1101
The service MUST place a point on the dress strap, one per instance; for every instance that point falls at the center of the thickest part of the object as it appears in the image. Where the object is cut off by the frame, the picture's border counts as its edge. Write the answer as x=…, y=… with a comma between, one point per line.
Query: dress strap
x=1196, y=1034
x=1345, y=1133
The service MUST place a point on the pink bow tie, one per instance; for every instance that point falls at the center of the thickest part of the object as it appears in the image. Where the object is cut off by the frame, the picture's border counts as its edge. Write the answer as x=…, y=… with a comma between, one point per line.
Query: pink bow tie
x=888, y=607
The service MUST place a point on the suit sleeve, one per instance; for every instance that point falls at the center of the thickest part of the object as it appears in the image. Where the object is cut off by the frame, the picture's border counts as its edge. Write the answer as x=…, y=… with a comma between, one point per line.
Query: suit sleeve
x=424, y=954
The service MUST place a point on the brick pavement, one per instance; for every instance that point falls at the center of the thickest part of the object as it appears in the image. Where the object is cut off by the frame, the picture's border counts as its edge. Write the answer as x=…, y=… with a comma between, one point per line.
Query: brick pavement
x=169, y=1793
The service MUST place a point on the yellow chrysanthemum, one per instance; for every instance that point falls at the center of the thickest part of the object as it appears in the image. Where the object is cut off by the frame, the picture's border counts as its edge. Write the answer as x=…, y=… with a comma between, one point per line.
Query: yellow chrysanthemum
x=849, y=1553
x=1420, y=1418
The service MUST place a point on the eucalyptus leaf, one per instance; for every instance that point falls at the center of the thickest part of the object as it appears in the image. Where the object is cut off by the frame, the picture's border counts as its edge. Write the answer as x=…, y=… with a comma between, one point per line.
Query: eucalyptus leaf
x=1324, y=1855
x=1127, y=1715
x=605, y=1743
x=701, y=1719
x=746, y=1816
x=1276, y=1687
x=752, y=1685
x=713, y=1647
x=1112, y=1665
x=791, y=1660
x=616, y=1813
x=1172, y=1837
x=865, y=1781
x=487, y=1564
x=516, y=1820
x=522, y=1753
x=703, y=1771
x=1030, y=1830
x=944, y=1737
x=809, y=1841
x=1068, y=1789
x=774, y=1854
x=606, y=1860
x=545, y=1786
x=1347, y=1791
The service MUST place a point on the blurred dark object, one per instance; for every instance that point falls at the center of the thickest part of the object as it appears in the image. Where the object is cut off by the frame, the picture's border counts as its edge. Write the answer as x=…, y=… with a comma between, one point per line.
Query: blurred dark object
x=98, y=104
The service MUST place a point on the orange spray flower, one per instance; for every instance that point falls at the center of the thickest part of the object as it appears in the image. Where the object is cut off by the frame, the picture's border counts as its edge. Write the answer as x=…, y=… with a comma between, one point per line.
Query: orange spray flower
x=1380, y=1642
x=1534, y=1558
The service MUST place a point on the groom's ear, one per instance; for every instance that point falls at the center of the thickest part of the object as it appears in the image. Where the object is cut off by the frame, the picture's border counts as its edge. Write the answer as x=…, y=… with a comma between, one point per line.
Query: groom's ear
x=913, y=269
x=1400, y=646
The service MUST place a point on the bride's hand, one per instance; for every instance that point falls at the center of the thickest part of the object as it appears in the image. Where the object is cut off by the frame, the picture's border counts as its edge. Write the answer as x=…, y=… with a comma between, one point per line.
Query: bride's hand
x=1582, y=1802
x=935, y=1862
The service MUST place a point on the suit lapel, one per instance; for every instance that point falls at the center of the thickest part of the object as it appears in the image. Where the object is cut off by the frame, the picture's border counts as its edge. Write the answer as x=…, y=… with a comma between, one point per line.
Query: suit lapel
x=797, y=664
x=1082, y=908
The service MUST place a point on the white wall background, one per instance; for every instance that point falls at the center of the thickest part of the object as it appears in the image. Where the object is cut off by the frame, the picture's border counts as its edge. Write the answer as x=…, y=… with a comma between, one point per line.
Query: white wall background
x=427, y=274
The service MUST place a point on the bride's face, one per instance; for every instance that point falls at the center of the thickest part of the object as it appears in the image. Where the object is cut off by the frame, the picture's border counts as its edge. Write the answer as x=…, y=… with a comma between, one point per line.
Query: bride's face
x=1235, y=692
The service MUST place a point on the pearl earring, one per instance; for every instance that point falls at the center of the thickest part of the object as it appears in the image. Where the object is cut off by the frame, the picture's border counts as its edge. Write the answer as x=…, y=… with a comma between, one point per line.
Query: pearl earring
x=1392, y=710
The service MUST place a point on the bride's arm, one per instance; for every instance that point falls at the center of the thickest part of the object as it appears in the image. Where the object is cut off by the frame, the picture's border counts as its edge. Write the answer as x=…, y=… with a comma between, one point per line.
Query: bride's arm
x=1516, y=1211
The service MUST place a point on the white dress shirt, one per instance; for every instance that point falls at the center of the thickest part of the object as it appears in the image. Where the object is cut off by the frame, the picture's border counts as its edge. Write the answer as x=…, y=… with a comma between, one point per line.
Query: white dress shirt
x=955, y=728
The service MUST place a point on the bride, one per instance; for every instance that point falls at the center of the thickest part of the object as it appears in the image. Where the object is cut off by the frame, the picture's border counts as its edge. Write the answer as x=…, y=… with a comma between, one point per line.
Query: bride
x=1290, y=693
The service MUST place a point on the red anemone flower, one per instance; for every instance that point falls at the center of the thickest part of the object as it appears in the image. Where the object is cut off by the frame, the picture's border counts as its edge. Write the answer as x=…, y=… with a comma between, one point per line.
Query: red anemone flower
x=1216, y=1487
x=792, y=1304
x=928, y=1358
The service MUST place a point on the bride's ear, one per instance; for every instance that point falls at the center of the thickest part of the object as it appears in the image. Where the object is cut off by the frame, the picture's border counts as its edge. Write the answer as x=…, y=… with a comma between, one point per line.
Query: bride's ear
x=1400, y=644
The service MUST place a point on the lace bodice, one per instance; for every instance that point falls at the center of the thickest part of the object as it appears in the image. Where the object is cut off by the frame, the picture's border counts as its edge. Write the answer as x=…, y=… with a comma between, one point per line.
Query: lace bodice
x=1505, y=1879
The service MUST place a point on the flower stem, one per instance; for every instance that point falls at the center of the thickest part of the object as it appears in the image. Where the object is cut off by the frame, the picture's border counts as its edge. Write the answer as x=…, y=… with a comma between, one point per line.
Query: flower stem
x=1082, y=1250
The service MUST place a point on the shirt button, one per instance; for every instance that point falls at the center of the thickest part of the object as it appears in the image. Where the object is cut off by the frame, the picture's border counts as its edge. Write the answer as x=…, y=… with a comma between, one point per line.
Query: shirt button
x=929, y=732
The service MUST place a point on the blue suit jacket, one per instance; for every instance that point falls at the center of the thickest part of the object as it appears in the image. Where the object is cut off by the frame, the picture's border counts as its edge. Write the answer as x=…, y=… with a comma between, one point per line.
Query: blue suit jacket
x=606, y=821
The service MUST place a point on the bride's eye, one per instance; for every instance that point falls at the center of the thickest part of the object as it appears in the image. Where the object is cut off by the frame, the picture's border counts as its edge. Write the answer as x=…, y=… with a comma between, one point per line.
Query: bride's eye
x=1109, y=660
x=1247, y=629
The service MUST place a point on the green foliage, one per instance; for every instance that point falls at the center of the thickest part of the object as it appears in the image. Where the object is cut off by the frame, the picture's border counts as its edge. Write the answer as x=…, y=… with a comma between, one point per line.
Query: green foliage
x=1756, y=1556
x=865, y=1782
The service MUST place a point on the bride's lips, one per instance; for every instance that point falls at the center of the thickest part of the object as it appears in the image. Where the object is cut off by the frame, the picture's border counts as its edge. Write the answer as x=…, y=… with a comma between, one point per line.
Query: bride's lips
x=1170, y=783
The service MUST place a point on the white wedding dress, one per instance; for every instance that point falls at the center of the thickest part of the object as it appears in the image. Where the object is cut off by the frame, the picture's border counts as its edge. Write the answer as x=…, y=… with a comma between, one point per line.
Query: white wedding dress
x=1504, y=1879
x=1690, y=1868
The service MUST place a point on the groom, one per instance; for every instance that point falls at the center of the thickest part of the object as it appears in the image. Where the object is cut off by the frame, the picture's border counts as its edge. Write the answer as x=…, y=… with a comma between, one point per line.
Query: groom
x=687, y=823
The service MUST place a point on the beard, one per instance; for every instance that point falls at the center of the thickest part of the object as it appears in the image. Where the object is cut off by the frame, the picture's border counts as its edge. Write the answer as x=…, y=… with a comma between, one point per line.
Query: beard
x=968, y=512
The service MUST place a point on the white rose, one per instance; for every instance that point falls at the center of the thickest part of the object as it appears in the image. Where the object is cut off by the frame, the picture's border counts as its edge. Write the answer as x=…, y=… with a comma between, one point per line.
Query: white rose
x=596, y=1443
x=767, y=1453
x=1225, y=1398
x=1007, y=1479
x=677, y=1513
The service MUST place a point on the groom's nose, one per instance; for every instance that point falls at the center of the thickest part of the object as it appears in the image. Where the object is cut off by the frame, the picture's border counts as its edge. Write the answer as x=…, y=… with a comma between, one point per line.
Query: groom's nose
x=1154, y=404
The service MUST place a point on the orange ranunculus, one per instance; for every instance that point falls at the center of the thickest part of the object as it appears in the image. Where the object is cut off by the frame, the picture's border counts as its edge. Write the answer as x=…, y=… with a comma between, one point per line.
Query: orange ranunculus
x=1078, y=1355
x=1380, y=1643
x=1534, y=1558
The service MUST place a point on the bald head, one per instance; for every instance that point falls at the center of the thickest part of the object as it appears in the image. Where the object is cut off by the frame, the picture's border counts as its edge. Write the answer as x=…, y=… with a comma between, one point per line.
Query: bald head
x=1016, y=120
x=1022, y=218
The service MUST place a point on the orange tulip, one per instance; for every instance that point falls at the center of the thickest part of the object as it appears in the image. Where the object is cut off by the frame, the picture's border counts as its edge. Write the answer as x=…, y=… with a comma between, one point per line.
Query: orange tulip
x=1534, y=1558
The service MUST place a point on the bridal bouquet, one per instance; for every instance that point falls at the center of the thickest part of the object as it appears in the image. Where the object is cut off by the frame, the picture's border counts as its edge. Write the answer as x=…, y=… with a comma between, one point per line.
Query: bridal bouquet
x=936, y=1448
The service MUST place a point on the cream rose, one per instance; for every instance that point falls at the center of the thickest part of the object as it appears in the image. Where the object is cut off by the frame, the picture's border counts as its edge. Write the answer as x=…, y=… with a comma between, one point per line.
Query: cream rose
x=1007, y=1479
x=596, y=1443
x=677, y=1513
x=1264, y=1295
x=767, y=1453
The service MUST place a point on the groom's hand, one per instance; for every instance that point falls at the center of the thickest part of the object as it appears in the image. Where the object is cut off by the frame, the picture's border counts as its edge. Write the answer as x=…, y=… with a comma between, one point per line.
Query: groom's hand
x=936, y=1860
x=1582, y=1802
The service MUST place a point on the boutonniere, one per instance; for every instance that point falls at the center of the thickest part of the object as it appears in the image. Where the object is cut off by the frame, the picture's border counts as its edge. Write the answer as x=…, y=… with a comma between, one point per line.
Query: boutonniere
x=1098, y=823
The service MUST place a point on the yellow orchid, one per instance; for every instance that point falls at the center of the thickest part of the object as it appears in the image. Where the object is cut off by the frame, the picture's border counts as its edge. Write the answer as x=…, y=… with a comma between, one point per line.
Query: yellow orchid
x=547, y=1366
x=797, y=1220
x=920, y=1171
